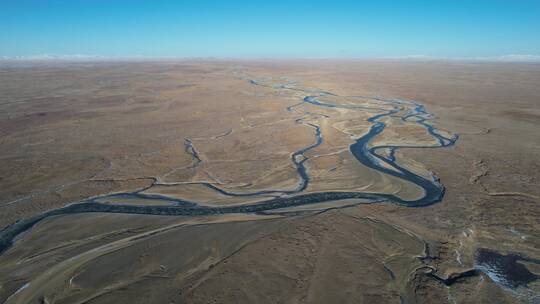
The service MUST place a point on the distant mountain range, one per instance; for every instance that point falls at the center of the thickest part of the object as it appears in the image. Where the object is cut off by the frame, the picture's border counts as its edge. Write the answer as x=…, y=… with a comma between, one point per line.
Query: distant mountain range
x=81, y=57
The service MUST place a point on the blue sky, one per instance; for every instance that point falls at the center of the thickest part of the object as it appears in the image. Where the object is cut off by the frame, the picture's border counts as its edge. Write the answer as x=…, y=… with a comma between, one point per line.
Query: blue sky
x=473, y=28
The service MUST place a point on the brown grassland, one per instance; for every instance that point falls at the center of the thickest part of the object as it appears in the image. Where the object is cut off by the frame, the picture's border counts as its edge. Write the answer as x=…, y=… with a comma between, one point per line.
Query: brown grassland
x=73, y=131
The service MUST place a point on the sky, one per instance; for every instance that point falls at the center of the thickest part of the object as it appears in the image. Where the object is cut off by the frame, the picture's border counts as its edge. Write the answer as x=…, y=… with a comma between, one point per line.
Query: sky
x=273, y=28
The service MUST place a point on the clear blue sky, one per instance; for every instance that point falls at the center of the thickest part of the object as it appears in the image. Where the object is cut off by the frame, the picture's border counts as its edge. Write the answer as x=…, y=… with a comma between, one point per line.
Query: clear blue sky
x=467, y=28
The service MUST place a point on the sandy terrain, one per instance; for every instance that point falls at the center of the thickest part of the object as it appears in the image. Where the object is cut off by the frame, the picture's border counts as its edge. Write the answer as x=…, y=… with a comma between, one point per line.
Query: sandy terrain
x=71, y=132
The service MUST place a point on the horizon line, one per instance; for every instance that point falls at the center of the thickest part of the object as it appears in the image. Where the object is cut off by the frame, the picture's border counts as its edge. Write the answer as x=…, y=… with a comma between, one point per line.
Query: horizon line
x=523, y=58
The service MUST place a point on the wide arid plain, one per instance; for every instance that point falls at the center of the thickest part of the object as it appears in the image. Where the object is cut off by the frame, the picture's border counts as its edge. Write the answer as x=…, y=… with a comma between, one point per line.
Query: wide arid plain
x=291, y=181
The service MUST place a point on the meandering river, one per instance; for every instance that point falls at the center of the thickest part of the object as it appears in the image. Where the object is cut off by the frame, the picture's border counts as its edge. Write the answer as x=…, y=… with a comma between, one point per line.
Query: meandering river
x=362, y=149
